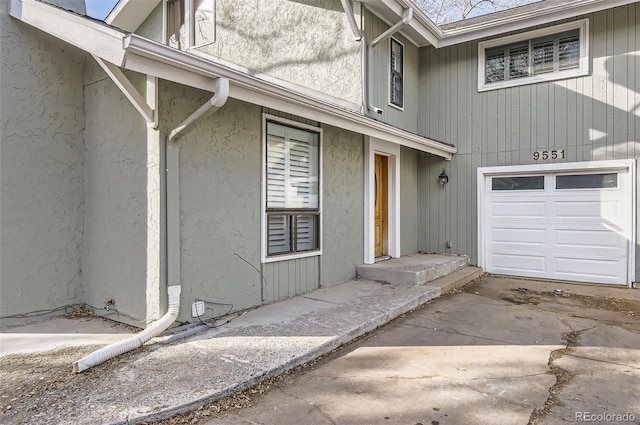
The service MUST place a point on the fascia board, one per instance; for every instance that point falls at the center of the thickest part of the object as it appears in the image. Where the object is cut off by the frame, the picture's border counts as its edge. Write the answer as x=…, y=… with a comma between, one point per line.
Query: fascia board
x=130, y=14
x=425, y=32
x=76, y=30
x=519, y=22
x=153, y=58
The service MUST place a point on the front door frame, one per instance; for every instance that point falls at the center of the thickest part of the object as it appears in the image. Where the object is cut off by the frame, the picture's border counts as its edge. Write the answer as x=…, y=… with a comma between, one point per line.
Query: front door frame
x=375, y=147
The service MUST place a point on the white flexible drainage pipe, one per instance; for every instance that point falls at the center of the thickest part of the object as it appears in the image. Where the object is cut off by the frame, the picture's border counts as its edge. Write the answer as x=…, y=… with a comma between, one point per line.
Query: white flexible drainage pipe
x=115, y=349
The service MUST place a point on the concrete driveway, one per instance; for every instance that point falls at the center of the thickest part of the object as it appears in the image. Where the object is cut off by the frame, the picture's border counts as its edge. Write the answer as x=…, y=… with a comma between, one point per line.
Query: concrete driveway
x=502, y=351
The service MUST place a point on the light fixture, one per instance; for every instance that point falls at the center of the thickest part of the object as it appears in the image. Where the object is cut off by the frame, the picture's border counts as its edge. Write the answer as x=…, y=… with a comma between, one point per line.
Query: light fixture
x=443, y=178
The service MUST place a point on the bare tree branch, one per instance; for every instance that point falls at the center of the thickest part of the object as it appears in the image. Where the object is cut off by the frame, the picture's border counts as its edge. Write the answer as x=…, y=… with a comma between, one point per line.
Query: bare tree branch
x=445, y=11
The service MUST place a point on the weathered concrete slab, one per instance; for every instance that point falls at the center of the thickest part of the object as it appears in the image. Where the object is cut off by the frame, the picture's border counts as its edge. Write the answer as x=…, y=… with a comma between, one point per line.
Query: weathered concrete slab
x=414, y=269
x=478, y=357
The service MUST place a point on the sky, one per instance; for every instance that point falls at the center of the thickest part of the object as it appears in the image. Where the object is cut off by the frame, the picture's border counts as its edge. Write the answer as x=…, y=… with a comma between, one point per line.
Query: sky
x=99, y=9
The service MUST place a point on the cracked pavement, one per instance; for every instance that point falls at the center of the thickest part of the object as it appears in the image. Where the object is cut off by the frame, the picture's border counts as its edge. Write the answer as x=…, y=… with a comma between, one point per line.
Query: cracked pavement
x=491, y=354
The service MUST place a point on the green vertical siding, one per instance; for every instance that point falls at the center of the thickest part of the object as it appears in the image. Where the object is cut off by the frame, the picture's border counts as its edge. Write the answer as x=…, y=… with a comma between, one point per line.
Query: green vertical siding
x=408, y=201
x=407, y=118
x=285, y=279
x=595, y=117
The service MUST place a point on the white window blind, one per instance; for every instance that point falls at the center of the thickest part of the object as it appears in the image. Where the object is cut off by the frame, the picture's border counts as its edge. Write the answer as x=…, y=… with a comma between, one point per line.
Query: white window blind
x=292, y=172
x=396, y=85
x=522, y=60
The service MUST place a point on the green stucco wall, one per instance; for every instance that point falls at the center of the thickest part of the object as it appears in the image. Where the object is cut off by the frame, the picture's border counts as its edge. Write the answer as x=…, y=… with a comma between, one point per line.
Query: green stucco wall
x=41, y=170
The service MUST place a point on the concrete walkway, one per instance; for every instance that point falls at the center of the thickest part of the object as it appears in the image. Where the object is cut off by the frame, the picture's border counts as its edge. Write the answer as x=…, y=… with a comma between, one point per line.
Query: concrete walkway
x=160, y=380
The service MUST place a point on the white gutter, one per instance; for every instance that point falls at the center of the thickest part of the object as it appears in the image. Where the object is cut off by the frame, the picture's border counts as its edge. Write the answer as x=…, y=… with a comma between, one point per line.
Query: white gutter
x=144, y=55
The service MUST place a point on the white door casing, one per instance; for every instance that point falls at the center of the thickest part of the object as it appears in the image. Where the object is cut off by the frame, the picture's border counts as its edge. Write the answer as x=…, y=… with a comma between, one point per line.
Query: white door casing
x=581, y=234
x=373, y=146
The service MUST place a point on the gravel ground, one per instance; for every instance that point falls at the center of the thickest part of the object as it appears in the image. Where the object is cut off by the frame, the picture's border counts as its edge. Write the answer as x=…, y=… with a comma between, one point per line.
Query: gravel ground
x=31, y=382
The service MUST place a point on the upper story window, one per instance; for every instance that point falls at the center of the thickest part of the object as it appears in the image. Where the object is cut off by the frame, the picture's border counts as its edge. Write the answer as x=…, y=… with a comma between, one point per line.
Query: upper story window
x=543, y=55
x=396, y=73
x=189, y=23
x=292, y=190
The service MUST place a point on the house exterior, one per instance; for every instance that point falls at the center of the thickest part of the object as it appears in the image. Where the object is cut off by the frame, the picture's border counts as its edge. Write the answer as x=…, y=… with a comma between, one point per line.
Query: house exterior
x=180, y=144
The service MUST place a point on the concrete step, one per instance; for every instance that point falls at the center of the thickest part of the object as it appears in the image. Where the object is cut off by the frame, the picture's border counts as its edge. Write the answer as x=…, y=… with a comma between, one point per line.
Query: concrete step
x=457, y=279
x=414, y=269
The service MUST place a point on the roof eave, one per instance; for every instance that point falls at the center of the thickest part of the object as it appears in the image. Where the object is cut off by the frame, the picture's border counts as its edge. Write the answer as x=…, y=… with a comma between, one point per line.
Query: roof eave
x=540, y=16
x=144, y=55
x=136, y=53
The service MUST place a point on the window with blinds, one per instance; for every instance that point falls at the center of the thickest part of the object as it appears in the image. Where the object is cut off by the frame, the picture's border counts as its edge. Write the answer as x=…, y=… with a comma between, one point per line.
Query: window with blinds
x=292, y=189
x=396, y=74
x=541, y=55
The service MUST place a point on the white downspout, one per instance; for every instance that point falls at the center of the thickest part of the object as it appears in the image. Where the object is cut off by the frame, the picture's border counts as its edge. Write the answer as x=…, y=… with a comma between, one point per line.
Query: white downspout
x=173, y=241
x=406, y=18
x=216, y=102
x=173, y=176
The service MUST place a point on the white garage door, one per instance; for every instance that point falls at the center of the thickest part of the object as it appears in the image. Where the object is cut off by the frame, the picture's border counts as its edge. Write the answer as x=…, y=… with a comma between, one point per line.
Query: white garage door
x=562, y=224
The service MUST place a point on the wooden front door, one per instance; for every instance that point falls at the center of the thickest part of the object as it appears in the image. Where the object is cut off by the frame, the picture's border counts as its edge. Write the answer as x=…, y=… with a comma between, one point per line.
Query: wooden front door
x=381, y=210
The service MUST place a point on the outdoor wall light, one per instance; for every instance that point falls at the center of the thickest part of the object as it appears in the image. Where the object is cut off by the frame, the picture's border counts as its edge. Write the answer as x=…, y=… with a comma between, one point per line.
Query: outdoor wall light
x=443, y=178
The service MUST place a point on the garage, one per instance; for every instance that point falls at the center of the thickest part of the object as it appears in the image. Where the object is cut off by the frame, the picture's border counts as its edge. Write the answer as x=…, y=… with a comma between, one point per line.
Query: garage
x=559, y=221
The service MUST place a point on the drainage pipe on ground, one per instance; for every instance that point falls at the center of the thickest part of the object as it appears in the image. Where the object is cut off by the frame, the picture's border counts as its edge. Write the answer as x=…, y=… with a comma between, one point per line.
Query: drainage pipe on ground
x=117, y=348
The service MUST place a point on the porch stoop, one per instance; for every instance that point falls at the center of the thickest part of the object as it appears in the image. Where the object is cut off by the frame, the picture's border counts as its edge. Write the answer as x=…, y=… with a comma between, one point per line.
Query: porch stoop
x=413, y=269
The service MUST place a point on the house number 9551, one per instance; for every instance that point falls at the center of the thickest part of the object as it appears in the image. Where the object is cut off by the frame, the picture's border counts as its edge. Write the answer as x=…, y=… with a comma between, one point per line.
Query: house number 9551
x=554, y=154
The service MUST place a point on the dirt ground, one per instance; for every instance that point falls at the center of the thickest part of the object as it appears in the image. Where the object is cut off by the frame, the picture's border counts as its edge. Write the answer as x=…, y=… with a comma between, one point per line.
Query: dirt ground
x=29, y=382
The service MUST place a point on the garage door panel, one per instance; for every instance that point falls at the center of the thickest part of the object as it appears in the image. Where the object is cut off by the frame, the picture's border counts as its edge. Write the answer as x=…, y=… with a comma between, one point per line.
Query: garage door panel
x=590, y=270
x=517, y=209
x=597, y=209
x=517, y=263
x=589, y=238
x=519, y=236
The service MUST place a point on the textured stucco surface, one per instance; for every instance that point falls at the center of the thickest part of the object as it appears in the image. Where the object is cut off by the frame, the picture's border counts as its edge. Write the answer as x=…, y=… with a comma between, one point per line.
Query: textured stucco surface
x=152, y=27
x=343, y=204
x=41, y=162
x=304, y=42
x=114, y=252
x=219, y=200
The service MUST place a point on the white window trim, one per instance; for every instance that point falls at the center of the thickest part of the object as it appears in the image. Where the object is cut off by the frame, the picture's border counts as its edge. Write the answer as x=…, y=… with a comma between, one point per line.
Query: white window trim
x=263, y=195
x=189, y=23
x=393, y=105
x=568, y=167
x=582, y=25
x=372, y=147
